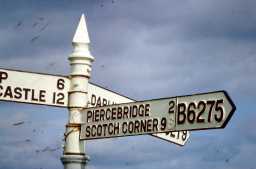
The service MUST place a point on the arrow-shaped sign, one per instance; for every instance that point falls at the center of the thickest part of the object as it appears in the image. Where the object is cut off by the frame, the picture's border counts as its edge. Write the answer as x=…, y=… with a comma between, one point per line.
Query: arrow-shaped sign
x=194, y=112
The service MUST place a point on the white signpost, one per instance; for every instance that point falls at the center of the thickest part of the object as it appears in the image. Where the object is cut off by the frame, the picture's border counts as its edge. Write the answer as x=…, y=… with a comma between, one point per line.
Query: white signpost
x=105, y=116
x=195, y=112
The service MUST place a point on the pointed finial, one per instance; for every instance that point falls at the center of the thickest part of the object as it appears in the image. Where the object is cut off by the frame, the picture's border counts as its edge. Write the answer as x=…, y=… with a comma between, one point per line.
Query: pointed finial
x=81, y=35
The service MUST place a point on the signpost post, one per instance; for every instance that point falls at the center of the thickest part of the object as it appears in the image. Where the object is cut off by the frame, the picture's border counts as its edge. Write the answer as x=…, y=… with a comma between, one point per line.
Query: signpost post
x=194, y=112
x=74, y=156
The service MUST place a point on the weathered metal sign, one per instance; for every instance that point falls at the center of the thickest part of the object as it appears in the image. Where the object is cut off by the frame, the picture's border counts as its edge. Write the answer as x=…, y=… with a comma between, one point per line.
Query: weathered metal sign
x=194, y=112
x=33, y=88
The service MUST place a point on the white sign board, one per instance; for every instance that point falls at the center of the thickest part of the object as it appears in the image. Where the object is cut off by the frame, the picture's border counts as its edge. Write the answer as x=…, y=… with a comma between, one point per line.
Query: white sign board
x=52, y=90
x=195, y=112
x=33, y=88
x=99, y=96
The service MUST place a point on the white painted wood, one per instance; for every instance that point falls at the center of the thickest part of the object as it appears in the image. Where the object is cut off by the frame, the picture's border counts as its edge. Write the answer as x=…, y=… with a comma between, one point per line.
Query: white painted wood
x=33, y=88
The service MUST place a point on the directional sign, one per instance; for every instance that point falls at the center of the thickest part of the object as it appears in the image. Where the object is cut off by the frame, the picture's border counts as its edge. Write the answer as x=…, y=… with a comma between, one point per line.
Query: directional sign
x=177, y=137
x=52, y=90
x=99, y=96
x=33, y=88
x=194, y=112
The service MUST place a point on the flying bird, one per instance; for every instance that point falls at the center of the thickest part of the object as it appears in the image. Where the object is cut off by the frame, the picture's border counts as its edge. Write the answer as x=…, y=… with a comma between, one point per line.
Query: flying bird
x=18, y=24
x=34, y=38
x=18, y=123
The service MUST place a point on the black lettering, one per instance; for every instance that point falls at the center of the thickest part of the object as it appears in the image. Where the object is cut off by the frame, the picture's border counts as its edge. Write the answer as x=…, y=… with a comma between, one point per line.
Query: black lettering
x=124, y=127
x=108, y=112
x=42, y=95
x=60, y=84
x=60, y=98
x=104, y=102
x=134, y=111
x=116, y=128
x=130, y=127
x=89, y=116
x=110, y=128
x=8, y=92
x=93, y=100
x=191, y=112
x=96, y=115
x=125, y=113
x=211, y=103
x=113, y=113
x=149, y=125
x=178, y=135
x=155, y=124
x=172, y=106
x=17, y=93
x=102, y=114
x=26, y=90
x=147, y=109
x=181, y=117
x=163, y=124
x=220, y=110
x=172, y=134
x=3, y=76
x=87, y=131
x=119, y=112
x=93, y=132
x=143, y=126
x=1, y=94
x=184, y=135
x=54, y=98
x=104, y=129
x=141, y=110
x=136, y=126
x=202, y=106
x=98, y=104
x=99, y=130
x=33, y=98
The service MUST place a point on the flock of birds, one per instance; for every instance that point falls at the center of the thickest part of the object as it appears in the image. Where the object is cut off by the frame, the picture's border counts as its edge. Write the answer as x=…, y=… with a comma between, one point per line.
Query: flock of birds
x=40, y=24
x=29, y=140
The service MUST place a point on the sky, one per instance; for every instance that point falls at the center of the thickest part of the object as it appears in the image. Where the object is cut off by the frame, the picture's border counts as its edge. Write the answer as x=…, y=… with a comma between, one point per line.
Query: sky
x=143, y=49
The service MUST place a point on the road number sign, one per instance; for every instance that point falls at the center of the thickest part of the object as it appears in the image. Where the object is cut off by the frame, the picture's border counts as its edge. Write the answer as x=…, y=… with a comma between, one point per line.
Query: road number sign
x=195, y=112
